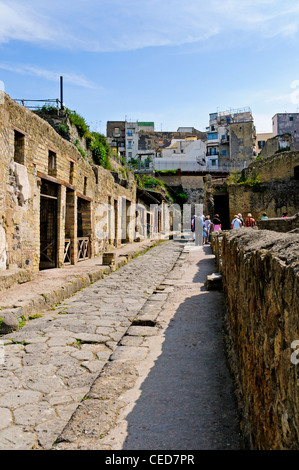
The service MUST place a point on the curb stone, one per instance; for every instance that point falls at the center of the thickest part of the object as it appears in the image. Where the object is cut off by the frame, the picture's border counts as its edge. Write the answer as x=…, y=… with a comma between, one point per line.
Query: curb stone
x=10, y=315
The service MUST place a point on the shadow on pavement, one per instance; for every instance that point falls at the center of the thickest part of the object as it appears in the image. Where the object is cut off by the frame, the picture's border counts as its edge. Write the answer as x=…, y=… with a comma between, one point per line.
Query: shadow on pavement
x=187, y=400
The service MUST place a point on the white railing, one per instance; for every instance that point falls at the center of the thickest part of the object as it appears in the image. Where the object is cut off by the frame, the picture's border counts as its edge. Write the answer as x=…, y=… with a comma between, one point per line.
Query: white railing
x=163, y=164
x=83, y=248
x=67, y=251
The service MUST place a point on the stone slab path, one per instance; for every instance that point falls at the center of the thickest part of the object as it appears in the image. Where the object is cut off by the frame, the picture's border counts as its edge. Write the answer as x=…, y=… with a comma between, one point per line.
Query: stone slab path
x=134, y=361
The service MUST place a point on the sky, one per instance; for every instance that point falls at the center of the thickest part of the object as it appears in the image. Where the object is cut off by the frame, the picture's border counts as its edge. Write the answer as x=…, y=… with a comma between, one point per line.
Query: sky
x=172, y=62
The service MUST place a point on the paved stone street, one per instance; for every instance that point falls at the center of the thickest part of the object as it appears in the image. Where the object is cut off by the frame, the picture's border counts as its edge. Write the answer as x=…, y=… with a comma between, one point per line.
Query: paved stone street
x=134, y=361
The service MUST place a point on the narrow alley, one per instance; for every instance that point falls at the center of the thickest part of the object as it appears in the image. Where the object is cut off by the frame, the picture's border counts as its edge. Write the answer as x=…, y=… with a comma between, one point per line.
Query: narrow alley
x=134, y=361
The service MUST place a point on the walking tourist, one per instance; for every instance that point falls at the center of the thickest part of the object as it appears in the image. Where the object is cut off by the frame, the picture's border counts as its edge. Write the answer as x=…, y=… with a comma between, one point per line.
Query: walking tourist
x=236, y=222
x=250, y=221
x=207, y=228
x=241, y=218
x=216, y=223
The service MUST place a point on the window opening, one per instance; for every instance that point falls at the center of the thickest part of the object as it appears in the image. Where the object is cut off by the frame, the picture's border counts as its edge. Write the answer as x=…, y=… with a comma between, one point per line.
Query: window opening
x=19, y=147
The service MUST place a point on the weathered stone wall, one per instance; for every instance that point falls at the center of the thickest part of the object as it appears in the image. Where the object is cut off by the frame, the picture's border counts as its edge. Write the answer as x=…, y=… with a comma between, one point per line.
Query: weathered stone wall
x=275, y=190
x=276, y=167
x=241, y=141
x=282, y=225
x=274, y=198
x=260, y=275
x=22, y=174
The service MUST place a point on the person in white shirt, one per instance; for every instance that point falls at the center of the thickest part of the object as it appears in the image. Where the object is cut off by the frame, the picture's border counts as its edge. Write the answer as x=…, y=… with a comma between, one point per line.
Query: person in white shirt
x=236, y=222
x=207, y=223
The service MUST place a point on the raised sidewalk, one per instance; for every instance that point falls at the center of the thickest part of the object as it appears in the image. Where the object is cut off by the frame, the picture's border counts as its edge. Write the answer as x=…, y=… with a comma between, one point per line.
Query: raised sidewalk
x=49, y=287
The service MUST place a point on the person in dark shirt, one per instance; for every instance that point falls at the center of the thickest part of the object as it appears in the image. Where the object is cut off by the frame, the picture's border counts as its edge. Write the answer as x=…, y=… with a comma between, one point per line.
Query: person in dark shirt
x=216, y=223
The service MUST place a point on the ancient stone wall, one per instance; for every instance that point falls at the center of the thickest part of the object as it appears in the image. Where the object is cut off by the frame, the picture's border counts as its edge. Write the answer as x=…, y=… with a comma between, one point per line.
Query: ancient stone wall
x=269, y=185
x=274, y=168
x=260, y=276
x=280, y=224
x=274, y=198
x=36, y=166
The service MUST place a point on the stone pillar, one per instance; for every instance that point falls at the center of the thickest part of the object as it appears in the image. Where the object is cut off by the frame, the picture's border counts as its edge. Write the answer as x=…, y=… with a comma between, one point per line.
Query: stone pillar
x=198, y=232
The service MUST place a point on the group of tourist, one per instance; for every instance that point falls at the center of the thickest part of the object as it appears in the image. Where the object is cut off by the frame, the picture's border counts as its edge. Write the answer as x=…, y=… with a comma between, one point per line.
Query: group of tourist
x=208, y=226
x=238, y=221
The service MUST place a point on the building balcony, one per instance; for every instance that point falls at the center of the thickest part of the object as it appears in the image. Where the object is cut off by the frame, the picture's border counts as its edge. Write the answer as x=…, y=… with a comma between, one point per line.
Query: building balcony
x=214, y=154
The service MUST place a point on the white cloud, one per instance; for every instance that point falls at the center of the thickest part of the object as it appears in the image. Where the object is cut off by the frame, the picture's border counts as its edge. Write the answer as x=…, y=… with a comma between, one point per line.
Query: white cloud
x=50, y=75
x=115, y=25
x=18, y=22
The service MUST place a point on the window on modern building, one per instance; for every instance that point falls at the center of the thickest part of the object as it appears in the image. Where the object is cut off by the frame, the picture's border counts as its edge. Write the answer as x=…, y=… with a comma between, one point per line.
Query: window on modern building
x=130, y=132
x=130, y=154
x=212, y=135
x=223, y=153
x=291, y=118
x=52, y=169
x=129, y=144
x=116, y=132
x=214, y=162
x=19, y=147
x=261, y=144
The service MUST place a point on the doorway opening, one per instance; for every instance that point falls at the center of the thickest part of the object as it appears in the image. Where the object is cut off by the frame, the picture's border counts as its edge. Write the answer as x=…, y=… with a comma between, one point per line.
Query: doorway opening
x=84, y=228
x=221, y=207
x=48, y=225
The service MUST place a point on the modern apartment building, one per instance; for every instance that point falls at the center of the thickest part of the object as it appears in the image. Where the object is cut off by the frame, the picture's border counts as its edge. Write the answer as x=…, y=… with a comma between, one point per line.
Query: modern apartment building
x=230, y=139
x=186, y=154
x=287, y=123
x=123, y=137
x=116, y=136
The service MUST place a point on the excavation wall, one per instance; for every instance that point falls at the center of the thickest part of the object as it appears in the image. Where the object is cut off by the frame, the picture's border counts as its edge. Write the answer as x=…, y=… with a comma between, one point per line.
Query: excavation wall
x=260, y=274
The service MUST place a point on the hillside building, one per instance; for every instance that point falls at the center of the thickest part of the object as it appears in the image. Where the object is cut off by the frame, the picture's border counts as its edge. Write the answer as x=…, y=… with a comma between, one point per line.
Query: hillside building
x=230, y=139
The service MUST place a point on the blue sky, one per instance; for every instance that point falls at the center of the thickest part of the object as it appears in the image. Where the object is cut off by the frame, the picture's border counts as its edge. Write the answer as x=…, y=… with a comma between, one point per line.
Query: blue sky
x=171, y=62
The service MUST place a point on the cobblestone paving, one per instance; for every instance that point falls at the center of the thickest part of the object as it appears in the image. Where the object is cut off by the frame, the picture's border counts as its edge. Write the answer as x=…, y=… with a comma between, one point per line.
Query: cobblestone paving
x=51, y=363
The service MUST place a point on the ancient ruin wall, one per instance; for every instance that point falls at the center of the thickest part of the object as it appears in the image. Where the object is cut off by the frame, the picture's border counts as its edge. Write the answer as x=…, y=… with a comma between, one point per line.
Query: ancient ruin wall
x=270, y=185
x=260, y=271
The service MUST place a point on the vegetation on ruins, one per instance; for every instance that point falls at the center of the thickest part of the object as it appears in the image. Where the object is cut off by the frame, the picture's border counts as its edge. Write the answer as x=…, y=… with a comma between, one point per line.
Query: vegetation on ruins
x=176, y=196
x=63, y=129
x=236, y=177
x=96, y=142
x=79, y=122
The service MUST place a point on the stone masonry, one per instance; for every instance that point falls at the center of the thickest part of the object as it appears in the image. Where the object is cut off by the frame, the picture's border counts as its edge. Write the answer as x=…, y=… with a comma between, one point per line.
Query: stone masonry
x=51, y=363
x=51, y=195
x=260, y=276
